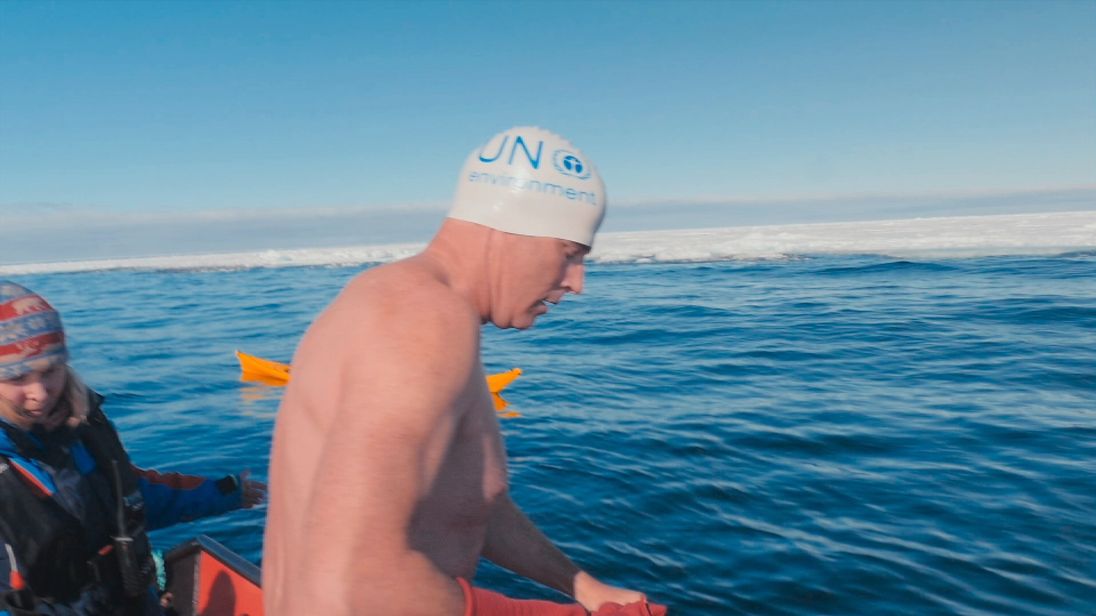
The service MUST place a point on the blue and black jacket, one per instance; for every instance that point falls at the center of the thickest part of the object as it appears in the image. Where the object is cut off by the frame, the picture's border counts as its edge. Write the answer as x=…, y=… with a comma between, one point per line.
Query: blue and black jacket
x=63, y=506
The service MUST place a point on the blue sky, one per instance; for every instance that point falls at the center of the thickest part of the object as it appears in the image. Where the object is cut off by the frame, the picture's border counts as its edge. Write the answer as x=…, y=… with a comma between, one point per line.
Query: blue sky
x=145, y=113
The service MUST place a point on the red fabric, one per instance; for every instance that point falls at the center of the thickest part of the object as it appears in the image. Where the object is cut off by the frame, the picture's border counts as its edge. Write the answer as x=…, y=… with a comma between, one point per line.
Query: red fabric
x=481, y=602
x=43, y=489
x=21, y=301
x=30, y=348
x=177, y=481
x=639, y=608
x=31, y=333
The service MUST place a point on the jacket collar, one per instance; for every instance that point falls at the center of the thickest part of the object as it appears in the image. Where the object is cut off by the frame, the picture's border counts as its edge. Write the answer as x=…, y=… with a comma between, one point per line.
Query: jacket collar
x=9, y=437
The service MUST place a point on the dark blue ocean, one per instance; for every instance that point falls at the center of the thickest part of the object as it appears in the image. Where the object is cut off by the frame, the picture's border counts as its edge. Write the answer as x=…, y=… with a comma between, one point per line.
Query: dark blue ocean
x=827, y=435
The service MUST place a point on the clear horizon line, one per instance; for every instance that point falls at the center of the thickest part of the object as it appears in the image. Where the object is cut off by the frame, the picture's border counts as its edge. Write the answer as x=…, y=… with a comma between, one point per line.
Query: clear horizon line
x=122, y=262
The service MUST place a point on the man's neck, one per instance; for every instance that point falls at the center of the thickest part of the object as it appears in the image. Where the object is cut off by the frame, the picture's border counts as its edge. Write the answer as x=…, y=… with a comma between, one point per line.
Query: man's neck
x=459, y=255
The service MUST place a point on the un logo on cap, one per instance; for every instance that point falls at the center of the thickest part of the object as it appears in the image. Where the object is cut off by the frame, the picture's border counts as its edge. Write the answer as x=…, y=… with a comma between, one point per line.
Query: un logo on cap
x=568, y=163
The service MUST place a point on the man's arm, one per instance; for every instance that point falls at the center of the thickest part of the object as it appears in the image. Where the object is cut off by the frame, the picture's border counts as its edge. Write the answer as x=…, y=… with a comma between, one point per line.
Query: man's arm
x=514, y=542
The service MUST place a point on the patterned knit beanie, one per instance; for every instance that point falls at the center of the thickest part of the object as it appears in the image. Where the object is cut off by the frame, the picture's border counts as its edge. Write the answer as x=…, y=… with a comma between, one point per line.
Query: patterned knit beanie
x=31, y=336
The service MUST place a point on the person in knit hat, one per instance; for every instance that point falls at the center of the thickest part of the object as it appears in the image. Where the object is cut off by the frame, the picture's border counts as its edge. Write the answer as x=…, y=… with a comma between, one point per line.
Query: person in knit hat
x=63, y=469
x=33, y=336
x=32, y=341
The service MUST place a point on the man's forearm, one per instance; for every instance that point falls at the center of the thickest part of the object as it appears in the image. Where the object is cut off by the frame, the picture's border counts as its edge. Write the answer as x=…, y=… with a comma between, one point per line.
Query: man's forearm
x=515, y=543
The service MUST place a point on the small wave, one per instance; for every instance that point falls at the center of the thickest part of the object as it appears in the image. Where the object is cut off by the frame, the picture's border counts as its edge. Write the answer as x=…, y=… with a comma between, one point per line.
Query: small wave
x=887, y=268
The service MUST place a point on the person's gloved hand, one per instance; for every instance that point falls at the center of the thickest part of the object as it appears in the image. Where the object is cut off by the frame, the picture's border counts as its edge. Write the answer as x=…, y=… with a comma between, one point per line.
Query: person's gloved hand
x=254, y=491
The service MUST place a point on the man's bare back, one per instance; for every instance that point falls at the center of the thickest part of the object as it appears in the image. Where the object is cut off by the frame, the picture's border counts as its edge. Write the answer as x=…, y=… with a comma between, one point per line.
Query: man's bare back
x=368, y=359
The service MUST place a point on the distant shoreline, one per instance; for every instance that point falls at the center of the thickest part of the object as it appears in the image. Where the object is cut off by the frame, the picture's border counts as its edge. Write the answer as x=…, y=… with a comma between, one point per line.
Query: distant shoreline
x=941, y=237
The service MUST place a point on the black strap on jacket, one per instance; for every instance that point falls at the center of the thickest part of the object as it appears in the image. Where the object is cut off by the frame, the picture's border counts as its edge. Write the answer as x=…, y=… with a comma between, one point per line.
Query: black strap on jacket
x=131, y=551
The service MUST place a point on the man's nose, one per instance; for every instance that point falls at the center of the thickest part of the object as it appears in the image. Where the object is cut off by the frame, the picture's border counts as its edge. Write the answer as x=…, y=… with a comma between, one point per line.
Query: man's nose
x=576, y=276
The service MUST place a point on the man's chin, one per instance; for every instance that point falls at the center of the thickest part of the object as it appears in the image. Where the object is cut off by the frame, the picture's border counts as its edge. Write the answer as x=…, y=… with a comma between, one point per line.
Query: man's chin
x=524, y=321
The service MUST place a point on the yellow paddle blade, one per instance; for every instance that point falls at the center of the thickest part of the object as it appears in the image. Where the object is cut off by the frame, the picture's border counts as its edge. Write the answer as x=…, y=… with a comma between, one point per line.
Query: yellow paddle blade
x=502, y=380
x=259, y=369
x=501, y=404
x=277, y=374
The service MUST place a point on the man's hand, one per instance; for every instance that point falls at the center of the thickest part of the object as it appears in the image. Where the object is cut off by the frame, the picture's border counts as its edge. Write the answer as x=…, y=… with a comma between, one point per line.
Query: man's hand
x=591, y=593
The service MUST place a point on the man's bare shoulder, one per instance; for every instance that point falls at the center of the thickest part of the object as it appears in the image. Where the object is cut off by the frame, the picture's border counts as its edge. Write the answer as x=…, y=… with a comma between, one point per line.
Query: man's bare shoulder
x=407, y=292
x=400, y=312
x=392, y=329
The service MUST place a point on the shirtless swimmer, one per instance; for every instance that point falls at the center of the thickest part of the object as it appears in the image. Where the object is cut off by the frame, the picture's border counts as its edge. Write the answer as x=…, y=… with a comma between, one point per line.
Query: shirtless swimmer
x=385, y=495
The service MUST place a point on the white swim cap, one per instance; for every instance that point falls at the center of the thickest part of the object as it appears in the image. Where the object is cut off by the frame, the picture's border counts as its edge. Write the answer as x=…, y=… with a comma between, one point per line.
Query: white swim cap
x=531, y=181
